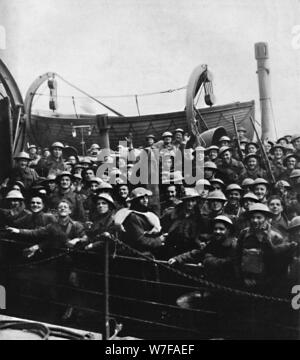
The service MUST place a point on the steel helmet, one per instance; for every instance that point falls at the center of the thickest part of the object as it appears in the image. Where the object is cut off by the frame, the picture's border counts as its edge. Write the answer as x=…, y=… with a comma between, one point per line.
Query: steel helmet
x=167, y=134
x=289, y=156
x=139, y=192
x=203, y=182
x=190, y=193
x=278, y=146
x=14, y=195
x=251, y=155
x=217, y=181
x=225, y=138
x=64, y=173
x=212, y=147
x=224, y=149
x=241, y=129
x=295, y=174
x=223, y=219
x=260, y=181
x=216, y=195
x=150, y=136
x=260, y=208
x=107, y=198
x=282, y=183
x=32, y=147
x=247, y=182
x=233, y=187
x=57, y=145
x=210, y=165
x=95, y=179
x=104, y=185
x=22, y=155
x=295, y=137
x=95, y=146
x=251, y=196
x=179, y=130
x=295, y=223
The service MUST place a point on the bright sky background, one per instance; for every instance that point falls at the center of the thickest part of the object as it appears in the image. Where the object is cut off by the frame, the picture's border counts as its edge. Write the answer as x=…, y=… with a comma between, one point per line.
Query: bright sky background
x=113, y=47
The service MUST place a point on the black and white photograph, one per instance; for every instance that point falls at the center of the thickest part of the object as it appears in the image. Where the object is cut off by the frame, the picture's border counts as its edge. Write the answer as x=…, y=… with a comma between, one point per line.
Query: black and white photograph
x=149, y=172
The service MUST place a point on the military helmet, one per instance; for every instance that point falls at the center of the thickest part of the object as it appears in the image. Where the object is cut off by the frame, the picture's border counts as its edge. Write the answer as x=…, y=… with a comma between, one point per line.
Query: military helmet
x=14, y=195
x=294, y=224
x=224, y=219
x=216, y=195
x=22, y=156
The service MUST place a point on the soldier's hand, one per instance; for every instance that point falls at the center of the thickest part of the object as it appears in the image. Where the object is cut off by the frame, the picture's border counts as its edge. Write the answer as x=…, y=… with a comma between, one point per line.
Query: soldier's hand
x=13, y=230
x=172, y=261
x=73, y=242
x=30, y=252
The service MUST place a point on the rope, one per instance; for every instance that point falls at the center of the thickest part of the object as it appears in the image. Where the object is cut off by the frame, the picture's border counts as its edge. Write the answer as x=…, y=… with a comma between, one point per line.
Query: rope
x=203, y=282
x=169, y=91
x=38, y=262
x=88, y=95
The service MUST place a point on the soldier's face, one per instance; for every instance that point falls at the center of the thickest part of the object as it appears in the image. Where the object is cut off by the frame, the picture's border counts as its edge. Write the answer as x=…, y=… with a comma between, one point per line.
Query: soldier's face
x=171, y=193
x=278, y=153
x=252, y=163
x=167, y=140
x=190, y=204
x=23, y=163
x=89, y=174
x=102, y=206
x=57, y=152
x=178, y=136
x=234, y=197
x=275, y=206
x=260, y=191
x=65, y=182
x=15, y=204
x=150, y=141
x=63, y=209
x=213, y=154
x=36, y=205
x=144, y=200
x=258, y=220
x=252, y=149
x=220, y=231
x=52, y=185
x=216, y=205
x=291, y=163
x=296, y=144
x=94, y=186
x=226, y=156
x=208, y=173
x=124, y=192
x=72, y=160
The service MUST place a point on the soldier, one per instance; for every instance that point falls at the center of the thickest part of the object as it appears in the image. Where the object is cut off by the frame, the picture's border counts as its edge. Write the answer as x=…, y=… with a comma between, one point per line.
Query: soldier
x=295, y=140
x=233, y=208
x=261, y=252
x=16, y=209
x=184, y=231
x=252, y=168
x=278, y=152
x=34, y=156
x=251, y=148
x=54, y=163
x=140, y=228
x=37, y=218
x=247, y=185
x=150, y=142
x=261, y=189
x=64, y=192
x=229, y=168
x=211, y=153
x=279, y=220
x=224, y=141
x=290, y=163
x=22, y=172
x=217, y=184
x=210, y=169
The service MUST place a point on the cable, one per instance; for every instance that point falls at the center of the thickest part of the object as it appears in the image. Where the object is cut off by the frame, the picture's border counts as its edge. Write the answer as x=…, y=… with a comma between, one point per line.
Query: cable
x=89, y=96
